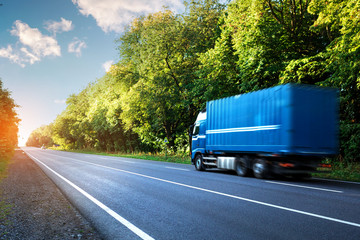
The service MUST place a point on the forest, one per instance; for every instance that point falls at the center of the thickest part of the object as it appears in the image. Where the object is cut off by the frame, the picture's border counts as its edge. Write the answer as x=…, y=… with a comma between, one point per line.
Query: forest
x=8, y=124
x=171, y=64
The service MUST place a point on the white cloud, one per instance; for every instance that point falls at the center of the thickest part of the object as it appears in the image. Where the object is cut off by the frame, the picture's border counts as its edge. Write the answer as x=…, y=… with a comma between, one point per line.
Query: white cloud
x=113, y=15
x=106, y=65
x=34, y=45
x=9, y=53
x=76, y=46
x=58, y=27
x=31, y=57
x=40, y=45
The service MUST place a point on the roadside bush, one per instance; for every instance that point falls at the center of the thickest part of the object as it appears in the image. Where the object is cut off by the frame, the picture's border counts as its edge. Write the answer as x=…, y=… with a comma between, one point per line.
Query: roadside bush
x=350, y=142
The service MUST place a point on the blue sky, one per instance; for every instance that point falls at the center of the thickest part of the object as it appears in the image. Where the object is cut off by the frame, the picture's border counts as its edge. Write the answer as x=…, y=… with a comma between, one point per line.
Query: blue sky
x=51, y=49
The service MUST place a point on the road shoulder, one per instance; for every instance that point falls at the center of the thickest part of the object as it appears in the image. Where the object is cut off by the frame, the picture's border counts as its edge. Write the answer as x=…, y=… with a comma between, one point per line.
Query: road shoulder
x=38, y=210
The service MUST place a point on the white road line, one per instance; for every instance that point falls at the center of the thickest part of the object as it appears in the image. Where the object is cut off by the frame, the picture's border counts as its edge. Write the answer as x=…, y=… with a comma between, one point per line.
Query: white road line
x=127, y=161
x=104, y=158
x=231, y=196
x=120, y=219
x=301, y=186
x=334, y=180
x=181, y=169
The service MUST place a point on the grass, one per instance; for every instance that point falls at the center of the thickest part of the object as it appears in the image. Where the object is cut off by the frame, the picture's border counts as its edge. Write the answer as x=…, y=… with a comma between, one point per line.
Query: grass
x=4, y=207
x=5, y=210
x=345, y=172
x=159, y=157
x=4, y=162
x=146, y=156
x=3, y=166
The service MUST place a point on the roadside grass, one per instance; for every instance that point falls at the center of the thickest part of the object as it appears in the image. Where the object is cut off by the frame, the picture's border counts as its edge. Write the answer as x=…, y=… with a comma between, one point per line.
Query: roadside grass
x=345, y=172
x=5, y=210
x=3, y=167
x=341, y=171
x=4, y=207
x=161, y=157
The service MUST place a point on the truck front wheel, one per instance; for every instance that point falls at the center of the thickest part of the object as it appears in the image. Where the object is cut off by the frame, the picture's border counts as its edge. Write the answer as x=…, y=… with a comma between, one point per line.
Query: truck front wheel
x=199, y=163
x=260, y=168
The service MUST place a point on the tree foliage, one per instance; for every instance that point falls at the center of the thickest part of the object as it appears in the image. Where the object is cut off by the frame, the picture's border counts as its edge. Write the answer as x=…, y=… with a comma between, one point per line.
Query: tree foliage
x=163, y=49
x=8, y=123
x=41, y=137
x=171, y=64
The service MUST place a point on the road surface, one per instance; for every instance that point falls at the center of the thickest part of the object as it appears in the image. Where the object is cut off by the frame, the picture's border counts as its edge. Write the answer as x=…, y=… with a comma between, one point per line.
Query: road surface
x=137, y=199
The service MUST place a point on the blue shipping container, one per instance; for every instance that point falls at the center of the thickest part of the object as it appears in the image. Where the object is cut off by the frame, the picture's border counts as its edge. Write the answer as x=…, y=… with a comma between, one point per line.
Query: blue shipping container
x=291, y=119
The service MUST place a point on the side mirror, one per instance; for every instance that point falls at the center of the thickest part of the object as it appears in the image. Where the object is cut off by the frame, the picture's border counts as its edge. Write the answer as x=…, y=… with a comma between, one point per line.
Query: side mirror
x=191, y=129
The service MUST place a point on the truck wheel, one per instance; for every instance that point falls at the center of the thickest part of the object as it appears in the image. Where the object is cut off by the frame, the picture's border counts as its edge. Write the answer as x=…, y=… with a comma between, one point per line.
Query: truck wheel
x=259, y=168
x=241, y=167
x=199, y=163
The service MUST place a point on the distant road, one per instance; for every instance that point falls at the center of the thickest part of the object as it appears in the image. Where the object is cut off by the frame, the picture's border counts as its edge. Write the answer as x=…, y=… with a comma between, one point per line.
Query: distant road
x=137, y=199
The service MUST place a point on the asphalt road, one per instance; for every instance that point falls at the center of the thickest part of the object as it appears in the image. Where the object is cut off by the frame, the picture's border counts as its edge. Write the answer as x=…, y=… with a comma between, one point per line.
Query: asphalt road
x=131, y=199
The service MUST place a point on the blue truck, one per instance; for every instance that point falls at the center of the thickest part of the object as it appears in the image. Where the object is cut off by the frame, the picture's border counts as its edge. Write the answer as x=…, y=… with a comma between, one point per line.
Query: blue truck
x=287, y=130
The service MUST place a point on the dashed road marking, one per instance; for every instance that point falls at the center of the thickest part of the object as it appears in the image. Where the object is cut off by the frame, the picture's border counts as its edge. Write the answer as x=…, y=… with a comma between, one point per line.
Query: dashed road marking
x=127, y=161
x=181, y=169
x=301, y=186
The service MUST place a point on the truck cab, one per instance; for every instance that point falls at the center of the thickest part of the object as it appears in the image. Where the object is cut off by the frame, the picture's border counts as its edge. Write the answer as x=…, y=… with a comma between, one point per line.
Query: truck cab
x=198, y=138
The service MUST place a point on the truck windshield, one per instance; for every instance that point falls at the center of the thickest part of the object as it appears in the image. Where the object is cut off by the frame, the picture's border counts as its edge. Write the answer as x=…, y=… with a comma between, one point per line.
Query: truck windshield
x=196, y=130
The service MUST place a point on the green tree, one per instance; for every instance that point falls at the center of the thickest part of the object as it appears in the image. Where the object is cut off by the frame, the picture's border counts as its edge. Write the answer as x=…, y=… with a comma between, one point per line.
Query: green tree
x=71, y=128
x=341, y=19
x=258, y=40
x=41, y=137
x=8, y=124
x=104, y=117
x=164, y=47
